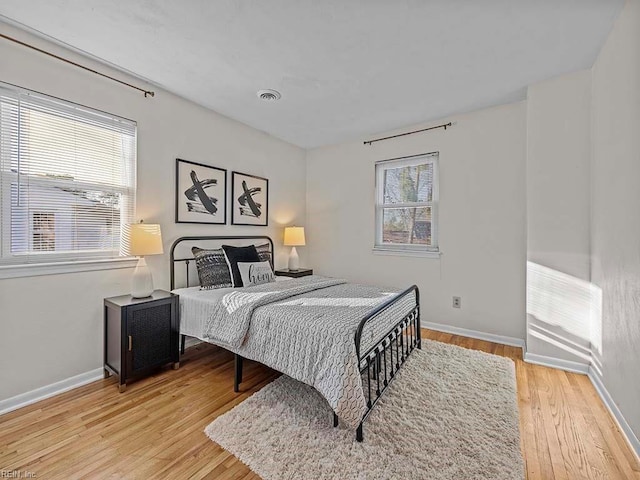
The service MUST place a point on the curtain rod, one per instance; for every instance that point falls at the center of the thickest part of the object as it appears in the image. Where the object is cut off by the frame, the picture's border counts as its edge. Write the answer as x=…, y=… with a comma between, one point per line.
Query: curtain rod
x=444, y=125
x=147, y=93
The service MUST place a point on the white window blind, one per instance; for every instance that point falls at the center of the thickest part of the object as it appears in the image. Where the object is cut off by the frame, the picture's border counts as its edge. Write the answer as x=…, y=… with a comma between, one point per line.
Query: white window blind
x=67, y=179
x=407, y=204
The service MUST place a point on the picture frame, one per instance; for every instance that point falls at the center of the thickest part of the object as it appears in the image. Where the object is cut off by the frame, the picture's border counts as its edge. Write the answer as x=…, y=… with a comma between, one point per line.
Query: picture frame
x=201, y=193
x=249, y=200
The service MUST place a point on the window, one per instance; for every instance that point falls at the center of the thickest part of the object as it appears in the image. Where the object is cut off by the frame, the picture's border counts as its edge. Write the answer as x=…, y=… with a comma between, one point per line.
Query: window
x=67, y=180
x=44, y=231
x=407, y=204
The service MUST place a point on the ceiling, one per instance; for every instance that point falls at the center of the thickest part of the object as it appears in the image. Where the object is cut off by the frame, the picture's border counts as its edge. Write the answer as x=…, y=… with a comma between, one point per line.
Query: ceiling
x=345, y=68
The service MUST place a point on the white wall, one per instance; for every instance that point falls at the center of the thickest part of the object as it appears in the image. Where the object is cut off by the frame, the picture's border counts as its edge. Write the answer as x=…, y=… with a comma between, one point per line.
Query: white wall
x=482, y=219
x=51, y=326
x=615, y=221
x=558, y=219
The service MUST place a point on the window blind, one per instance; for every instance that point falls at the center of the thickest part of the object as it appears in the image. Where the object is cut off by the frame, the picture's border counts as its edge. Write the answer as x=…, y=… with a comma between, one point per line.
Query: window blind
x=67, y=179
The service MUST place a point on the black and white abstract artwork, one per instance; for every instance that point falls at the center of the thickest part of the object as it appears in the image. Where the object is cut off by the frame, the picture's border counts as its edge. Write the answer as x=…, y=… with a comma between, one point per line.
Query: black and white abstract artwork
x=201, y=193
x=250, y=199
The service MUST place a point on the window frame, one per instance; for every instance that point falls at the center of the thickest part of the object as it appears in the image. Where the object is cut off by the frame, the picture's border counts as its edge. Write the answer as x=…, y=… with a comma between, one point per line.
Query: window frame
x=34, y=263
x=381, y=167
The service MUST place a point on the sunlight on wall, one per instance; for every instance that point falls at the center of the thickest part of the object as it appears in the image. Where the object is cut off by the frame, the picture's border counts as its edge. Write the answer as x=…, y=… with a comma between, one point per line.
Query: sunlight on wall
x=563, y=311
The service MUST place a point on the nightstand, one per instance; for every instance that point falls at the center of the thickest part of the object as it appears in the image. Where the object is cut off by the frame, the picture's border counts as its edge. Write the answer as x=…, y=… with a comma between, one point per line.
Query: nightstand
x=140, y=335
x=302, y=272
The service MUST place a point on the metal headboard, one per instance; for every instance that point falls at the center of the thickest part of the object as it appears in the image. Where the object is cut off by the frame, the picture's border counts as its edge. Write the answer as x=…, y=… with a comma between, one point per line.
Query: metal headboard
x=189, y=260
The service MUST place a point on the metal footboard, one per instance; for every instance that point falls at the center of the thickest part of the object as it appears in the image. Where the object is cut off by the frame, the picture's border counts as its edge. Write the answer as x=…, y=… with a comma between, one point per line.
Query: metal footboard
x=380, y=363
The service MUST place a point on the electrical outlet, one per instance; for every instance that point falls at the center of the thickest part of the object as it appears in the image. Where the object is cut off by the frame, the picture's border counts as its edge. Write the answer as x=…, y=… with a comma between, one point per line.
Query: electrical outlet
x=457, y=302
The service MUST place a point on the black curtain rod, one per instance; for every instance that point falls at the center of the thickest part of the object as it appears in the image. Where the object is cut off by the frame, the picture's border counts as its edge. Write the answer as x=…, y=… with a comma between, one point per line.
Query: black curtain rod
x=444, y=125
x=147, y=93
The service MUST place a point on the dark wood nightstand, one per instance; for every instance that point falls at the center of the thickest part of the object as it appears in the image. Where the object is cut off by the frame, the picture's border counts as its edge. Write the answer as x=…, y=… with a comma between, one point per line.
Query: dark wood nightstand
x=140, y=334
x=302, y=272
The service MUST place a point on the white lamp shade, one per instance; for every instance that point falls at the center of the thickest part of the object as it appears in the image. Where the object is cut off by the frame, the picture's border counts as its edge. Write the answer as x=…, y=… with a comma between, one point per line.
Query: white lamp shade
x=145, y=239
x=294, y=236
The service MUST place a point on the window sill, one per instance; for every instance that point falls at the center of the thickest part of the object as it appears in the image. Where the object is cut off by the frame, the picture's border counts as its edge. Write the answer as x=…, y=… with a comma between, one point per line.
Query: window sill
x=406, y=253
x=56, y=268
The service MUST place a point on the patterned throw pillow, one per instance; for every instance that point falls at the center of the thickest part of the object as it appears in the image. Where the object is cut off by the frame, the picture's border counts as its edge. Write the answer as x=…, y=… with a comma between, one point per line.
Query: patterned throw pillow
x=264, y=253
x=213, y=270
x=255, y=273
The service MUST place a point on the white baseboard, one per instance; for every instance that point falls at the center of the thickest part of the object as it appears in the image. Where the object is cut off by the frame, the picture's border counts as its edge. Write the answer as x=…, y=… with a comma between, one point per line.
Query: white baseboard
x=47, y=391
x=24, y=399
x=489, y=337
x=624, y=427
x=568, y=365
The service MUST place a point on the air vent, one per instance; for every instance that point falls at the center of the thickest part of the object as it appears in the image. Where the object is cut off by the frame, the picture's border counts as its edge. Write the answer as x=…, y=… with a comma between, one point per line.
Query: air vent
x=269, y=95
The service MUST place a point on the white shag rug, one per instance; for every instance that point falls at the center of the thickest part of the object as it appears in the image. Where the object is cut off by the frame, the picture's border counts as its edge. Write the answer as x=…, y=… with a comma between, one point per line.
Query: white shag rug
x=451, y=413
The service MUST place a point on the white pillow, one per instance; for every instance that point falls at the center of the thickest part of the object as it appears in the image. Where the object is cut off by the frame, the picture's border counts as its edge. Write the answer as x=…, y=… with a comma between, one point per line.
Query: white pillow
x=256, y=273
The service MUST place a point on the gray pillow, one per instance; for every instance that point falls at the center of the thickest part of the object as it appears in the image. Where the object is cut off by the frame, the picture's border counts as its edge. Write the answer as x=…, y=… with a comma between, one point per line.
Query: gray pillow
x=264, y=253
x=213, y=270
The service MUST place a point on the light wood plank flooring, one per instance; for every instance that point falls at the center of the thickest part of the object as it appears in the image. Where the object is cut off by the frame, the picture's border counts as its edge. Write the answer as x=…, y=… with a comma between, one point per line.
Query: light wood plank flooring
x=155, y=429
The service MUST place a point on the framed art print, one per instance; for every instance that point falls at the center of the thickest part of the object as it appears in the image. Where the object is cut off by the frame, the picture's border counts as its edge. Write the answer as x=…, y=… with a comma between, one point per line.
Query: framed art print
x=249, y=199
x=201, y=193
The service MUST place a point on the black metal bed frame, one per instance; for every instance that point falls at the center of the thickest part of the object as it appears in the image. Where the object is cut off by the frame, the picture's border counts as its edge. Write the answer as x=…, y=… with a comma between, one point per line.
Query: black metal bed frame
x=378, y=365
x=403, y=337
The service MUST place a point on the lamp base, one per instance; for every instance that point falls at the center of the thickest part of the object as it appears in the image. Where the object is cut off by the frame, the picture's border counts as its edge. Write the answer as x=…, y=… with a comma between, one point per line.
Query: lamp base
x=294, y=260
x=141, y=281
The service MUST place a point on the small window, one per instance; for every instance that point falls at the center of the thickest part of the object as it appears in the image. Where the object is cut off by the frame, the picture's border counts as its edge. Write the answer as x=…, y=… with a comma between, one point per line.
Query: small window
x=67, y=180
x=43, y=227
x=407, y=204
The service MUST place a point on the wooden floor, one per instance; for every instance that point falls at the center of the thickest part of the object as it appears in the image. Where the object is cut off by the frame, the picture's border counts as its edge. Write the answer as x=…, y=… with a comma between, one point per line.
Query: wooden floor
x=155, y=429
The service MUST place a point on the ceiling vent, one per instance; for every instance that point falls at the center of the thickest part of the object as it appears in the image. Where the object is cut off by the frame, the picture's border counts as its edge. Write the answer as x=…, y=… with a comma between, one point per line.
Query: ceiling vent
x=269, y=95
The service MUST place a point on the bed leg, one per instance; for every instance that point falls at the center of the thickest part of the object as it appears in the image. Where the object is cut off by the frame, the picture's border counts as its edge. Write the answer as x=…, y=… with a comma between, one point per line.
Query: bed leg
x=183, y=339
x=238, y=373
x=359, y=436
x=335, y=419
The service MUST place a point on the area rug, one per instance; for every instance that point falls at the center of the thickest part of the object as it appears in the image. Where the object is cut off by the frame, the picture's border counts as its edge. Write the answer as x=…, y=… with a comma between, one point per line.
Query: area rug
x=451, y=413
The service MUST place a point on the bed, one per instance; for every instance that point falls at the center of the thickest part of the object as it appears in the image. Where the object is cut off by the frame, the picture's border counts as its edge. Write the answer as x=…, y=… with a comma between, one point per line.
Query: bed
x=346, y=340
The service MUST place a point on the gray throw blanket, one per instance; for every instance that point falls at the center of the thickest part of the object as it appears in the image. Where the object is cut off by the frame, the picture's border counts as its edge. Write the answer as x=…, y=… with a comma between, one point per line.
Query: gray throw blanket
x=229, y=320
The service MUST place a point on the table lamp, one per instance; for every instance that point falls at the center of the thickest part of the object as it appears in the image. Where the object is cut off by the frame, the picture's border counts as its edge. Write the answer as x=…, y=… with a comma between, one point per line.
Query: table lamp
x=146, y=239
x=294, y=237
